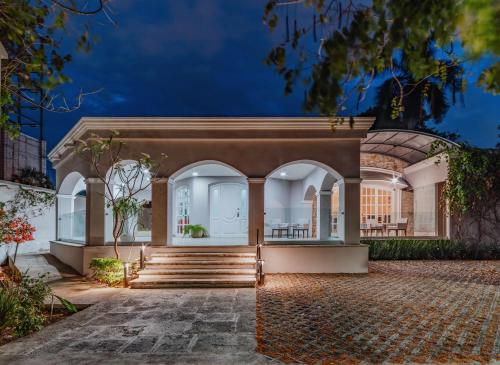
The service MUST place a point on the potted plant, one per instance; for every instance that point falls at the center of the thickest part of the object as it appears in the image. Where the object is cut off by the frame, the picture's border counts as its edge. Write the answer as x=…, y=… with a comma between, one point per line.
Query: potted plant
x=195, y=230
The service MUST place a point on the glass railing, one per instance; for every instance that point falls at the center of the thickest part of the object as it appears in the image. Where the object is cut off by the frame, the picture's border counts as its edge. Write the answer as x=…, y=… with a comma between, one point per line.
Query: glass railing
x=71, y=227
x=303, y=222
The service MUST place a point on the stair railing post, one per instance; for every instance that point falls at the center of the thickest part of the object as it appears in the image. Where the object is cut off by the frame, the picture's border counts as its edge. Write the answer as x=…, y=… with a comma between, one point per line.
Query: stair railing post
x=260, y=263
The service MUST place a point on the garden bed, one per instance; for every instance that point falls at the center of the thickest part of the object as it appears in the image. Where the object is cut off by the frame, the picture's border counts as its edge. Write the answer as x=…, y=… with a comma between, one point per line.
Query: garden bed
x=23, y=305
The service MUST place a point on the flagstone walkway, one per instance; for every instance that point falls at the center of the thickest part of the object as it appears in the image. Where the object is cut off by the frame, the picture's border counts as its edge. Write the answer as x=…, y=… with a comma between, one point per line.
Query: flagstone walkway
x=195, y=326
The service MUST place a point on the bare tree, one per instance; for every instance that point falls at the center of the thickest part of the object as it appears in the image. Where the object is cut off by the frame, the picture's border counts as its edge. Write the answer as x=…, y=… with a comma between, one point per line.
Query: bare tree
x=124, y=181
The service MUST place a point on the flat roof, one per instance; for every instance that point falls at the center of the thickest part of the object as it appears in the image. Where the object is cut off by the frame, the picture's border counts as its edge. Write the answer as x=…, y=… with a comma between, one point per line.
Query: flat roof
x=156, y=125
x=407, y=145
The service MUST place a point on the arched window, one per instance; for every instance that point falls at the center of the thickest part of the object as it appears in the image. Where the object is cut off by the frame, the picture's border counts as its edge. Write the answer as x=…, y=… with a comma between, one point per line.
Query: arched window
x=182, y=208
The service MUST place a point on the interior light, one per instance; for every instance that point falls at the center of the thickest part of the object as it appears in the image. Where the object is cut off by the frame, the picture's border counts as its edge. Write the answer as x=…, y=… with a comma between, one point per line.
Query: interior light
x=394, y=179
x=195, y=173
x=283, y=173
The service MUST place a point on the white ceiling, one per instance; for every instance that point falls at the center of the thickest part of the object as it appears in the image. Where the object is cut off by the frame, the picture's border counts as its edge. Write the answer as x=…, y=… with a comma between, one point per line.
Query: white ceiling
x=208, y=170
x=296, y=171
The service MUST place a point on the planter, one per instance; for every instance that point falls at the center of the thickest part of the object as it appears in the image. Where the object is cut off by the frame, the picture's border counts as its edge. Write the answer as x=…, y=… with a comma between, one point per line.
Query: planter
x=197, y=234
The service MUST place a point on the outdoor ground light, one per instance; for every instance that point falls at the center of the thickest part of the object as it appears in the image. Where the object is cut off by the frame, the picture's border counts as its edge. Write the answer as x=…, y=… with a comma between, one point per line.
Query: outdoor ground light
x=126, y=267
x=260, y=271
x=142, y=257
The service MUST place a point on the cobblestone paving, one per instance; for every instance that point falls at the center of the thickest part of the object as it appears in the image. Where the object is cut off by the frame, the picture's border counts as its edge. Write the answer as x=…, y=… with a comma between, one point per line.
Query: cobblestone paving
x=420, y=312
x=150, y=327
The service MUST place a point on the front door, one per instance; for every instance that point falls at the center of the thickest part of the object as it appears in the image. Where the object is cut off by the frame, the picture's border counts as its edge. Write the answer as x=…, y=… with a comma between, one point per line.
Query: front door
x=228, y=210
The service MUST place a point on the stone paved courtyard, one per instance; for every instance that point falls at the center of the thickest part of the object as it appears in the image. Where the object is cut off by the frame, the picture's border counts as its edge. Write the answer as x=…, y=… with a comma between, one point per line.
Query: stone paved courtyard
x=420, y=312
x=150, y=326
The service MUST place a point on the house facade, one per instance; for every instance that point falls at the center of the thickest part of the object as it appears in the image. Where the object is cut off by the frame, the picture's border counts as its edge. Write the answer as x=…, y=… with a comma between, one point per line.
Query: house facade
x=305, y=188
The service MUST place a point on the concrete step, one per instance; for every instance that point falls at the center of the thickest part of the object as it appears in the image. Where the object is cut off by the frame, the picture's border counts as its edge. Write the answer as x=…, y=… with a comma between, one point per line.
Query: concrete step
x=165, y=281
x=199, y=272
x=205, y=269
x=203, y=254
x=204, y=265
x=200, y=261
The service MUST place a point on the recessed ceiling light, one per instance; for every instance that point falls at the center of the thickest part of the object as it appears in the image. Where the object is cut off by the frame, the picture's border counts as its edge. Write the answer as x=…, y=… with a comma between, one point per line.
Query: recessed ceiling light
x=195, y=173
x=283, y=173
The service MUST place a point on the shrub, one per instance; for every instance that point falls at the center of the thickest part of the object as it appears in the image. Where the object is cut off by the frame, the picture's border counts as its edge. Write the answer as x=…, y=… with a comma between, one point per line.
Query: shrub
x=31, y=294
x=33, y=177
x=22, y=304
x=8, y=305
x=409, y=249
x=107, y=270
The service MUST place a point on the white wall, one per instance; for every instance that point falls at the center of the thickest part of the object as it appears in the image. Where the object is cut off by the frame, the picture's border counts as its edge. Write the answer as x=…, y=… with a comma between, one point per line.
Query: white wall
x=315, y=259
x=200, y=197
x=276, y=202
x=426, y=172
x=45, y=224
x=424, y=210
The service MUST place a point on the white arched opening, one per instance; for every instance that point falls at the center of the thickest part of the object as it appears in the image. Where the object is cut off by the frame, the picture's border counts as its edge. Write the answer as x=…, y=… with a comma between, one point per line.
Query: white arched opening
x=297, y=201
x=208, y=205
x=71, y=208
x=129, y=178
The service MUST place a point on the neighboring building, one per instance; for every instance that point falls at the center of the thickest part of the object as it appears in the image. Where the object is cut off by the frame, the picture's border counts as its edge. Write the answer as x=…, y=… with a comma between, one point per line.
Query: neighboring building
x=21, y=153
x=310, y=191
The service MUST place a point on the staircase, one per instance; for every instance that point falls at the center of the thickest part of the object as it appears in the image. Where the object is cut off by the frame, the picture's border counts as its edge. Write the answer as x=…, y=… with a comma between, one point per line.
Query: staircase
x=197, y=268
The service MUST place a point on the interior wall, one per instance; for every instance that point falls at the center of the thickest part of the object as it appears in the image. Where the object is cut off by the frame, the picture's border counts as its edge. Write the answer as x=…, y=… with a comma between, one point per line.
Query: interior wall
x=200, y=198
x=286, y=201
x=276, y=202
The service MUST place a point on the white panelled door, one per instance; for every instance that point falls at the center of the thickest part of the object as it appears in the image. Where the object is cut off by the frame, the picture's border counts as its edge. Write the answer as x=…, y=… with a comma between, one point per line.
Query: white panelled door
x=228, y=209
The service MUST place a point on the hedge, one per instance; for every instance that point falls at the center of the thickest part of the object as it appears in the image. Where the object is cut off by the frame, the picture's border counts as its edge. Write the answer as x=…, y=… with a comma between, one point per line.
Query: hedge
x=439, y=249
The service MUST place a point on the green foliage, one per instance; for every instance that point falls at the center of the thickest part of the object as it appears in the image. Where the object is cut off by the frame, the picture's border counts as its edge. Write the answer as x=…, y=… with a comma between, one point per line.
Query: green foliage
x=107, y=270
x=339, y=48
x=472, y=188
x=22, y=304
x=33, y=34
x=195, y=230
x=30, y=203
x=29, y=316
x=8, y=305
x=33, y=177
x=70, y=307
x=409, y=249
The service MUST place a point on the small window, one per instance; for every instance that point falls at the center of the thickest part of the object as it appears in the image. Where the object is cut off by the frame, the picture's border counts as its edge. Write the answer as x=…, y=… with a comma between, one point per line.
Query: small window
x=182, y=209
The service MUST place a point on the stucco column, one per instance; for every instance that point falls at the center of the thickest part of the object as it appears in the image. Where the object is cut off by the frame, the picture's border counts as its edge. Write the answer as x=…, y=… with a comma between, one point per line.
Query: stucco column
x=159, y=224
x=94, y=215
x=255, y=209
x=349, y=205
x=324, y=212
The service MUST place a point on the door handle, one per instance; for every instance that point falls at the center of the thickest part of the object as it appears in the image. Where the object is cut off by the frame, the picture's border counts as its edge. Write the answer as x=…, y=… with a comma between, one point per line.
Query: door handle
x=237, y=212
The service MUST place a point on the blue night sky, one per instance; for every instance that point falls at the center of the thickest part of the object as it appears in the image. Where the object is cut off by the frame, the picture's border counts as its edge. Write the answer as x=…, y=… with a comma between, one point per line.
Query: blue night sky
x=205, y=58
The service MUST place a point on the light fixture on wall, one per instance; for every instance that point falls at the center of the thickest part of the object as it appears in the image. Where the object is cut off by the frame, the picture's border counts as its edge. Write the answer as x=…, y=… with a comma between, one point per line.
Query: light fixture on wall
x=195, y=173
x=394, y=180
x=283, y=173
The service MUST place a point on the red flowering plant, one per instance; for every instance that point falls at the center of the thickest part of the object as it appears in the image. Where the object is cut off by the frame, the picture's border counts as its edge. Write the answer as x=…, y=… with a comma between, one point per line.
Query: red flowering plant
x=14, y=229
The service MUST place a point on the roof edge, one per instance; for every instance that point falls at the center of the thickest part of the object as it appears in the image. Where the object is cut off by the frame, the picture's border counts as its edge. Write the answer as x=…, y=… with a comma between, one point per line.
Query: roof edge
x=199, y=123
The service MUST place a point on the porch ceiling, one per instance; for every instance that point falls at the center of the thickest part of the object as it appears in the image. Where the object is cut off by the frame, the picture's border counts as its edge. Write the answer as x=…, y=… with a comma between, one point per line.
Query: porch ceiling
x=410, y=146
